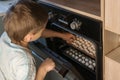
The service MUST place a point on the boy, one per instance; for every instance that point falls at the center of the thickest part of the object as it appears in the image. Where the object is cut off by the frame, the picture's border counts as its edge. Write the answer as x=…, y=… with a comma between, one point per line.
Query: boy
x=24, y=22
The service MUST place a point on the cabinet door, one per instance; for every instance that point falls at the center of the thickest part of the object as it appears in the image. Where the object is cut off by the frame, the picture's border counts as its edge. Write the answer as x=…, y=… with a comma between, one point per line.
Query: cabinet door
x=112, y=15
x=112, y=69
x=112, y=65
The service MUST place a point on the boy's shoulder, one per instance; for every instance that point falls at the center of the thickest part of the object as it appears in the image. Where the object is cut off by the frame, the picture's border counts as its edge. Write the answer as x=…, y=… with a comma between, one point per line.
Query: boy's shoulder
x=8, y=48
x=4, y=36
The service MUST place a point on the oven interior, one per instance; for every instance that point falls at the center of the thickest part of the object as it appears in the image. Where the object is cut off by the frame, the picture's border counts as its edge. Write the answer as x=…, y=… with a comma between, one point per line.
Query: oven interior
x=85, y=52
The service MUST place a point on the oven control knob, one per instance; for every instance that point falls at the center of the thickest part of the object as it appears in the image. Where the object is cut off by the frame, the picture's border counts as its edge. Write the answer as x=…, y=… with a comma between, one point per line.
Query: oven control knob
x=75, y=25
x=51, y=15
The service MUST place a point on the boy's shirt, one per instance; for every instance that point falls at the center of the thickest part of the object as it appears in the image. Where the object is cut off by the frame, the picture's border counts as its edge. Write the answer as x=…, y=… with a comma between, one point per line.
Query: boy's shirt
x=15, y=62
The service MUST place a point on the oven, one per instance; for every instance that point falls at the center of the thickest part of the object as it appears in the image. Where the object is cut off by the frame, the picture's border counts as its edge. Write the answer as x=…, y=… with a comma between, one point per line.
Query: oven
x=80, y=60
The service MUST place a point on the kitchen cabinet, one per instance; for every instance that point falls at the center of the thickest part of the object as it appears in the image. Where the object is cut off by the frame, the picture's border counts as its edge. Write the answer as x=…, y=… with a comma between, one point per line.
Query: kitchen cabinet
x=112, y=62
x=112, y=15
x=90, y=8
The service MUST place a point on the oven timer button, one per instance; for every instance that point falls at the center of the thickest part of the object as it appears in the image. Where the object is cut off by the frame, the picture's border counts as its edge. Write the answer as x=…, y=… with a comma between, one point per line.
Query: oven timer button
x=75, y=24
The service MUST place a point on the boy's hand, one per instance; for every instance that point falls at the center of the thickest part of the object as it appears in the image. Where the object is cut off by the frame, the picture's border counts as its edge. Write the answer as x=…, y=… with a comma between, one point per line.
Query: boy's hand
x=47, y=65
x=68, y=37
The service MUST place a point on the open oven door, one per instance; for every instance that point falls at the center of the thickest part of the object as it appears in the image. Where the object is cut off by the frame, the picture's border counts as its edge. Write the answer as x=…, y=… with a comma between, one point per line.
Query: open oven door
x=63, y=70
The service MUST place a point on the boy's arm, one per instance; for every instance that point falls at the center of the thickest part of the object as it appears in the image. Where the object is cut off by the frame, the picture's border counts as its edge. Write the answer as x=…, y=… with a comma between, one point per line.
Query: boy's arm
x=41, y=74
x=65, y=36
x=46, y=66
x=49, y=33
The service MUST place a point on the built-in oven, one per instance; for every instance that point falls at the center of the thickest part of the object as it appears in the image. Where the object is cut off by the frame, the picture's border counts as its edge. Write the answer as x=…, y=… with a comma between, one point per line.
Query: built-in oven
x=80, y=60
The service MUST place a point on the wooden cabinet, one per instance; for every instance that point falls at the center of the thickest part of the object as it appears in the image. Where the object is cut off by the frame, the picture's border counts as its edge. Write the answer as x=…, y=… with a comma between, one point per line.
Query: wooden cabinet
x=112, y=39
x=112, y=15
x=112, y=65
x=90, y=8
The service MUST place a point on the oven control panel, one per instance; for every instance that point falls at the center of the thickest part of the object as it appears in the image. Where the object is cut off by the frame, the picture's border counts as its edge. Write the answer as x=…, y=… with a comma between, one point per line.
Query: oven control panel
x=75, y=24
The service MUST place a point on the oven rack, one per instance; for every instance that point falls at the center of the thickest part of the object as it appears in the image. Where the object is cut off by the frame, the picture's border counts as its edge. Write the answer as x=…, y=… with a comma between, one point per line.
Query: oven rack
x=80, y=61
x=78, y=35
x=71, y=31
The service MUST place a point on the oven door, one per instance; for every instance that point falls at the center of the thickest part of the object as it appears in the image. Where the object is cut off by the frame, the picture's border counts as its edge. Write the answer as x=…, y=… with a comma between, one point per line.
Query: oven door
x=63, y=70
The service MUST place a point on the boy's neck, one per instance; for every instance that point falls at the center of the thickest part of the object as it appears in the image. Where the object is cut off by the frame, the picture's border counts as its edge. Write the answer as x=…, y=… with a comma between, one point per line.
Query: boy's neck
x=24, y=44
x=21, y=43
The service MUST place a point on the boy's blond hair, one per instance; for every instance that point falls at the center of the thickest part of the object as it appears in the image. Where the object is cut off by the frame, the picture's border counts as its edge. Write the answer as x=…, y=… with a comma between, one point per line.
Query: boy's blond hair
x=24, y=17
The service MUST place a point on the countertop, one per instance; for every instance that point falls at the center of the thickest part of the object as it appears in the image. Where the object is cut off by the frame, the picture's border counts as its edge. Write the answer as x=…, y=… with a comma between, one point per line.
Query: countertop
x=4, y=6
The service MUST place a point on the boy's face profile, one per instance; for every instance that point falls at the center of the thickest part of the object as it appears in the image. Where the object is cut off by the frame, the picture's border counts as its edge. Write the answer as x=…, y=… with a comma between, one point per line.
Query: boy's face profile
x=33, y=35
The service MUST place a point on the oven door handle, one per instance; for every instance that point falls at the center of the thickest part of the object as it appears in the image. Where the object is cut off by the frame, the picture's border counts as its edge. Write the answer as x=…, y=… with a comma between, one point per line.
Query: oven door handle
x=61, y=70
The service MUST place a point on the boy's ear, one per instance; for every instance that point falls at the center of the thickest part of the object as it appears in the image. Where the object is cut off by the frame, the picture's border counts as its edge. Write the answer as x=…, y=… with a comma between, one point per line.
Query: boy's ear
x=28, y=37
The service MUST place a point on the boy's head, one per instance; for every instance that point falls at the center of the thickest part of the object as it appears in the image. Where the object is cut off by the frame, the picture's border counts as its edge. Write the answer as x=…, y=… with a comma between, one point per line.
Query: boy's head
x=23, y=18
